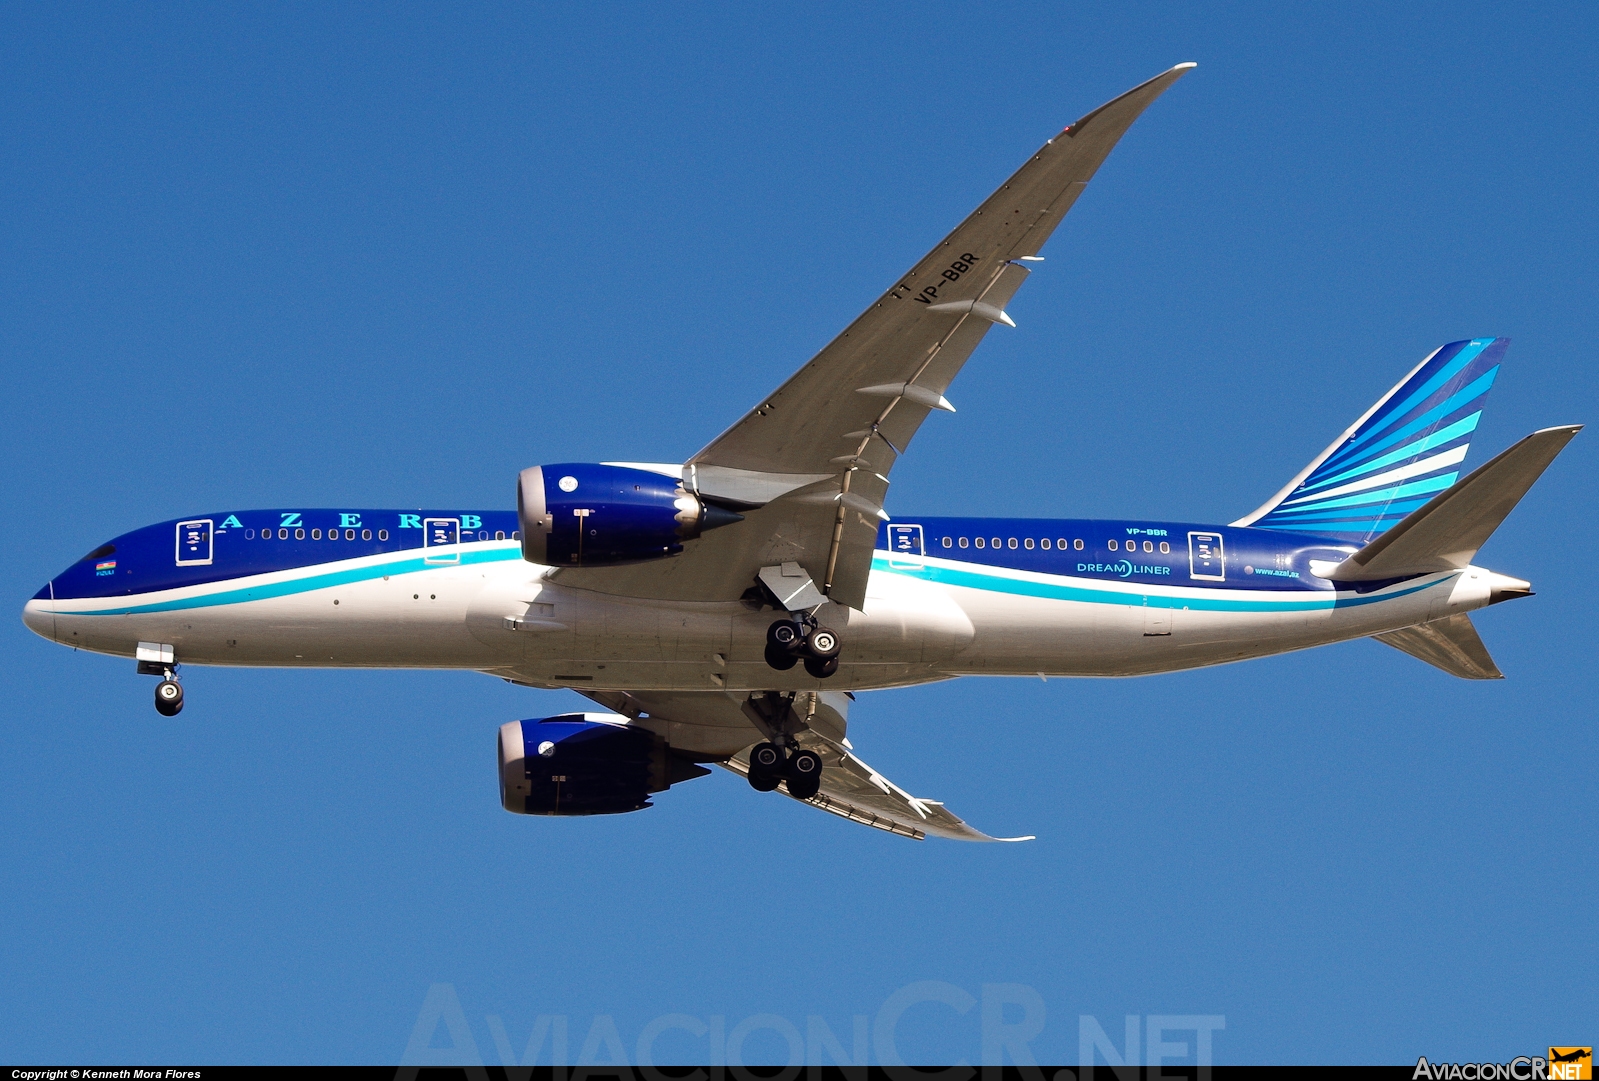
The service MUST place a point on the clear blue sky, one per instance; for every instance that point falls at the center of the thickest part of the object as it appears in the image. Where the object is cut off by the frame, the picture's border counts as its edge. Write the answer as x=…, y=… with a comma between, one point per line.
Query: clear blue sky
x=377, y=255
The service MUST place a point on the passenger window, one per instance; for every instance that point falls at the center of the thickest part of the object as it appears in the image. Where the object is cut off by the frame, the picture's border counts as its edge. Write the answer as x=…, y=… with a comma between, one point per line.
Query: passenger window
x=1077, y=544
x=1164, y=548
x=1113, y=546
x=249, y=534
x=499, y=534
x=383, y=534
x=283, y=534
x=963, y=542
x=366, y=534
x=1012, y=543
x=483, y=534
x=1149, y=546
x=517, y=535
x=1028, y=542
x=979, y=542
x=1044, y=544
x=316, y=534
x=299, y=534
x=948, y=542
x=349, y=534
x=994, y=542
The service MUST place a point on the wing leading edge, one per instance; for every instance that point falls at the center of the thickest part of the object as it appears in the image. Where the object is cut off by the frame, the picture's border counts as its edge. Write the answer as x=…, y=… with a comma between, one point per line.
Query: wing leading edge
x=809, y=465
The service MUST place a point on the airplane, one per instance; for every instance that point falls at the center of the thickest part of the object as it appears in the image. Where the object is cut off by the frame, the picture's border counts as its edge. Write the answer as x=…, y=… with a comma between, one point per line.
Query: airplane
x=723, y=611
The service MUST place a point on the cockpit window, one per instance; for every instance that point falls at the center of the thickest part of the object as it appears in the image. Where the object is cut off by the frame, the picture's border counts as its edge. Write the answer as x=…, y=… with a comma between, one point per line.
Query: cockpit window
x=100, y=553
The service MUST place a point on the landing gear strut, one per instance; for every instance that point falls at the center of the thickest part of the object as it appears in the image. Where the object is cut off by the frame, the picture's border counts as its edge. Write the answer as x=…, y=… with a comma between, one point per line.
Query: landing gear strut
x=789, y=641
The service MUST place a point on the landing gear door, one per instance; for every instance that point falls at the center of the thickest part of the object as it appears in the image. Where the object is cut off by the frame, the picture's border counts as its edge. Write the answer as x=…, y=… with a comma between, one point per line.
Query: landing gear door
x=194, y=543
x=1206, y=559
x=905, y=546
x=439, y=534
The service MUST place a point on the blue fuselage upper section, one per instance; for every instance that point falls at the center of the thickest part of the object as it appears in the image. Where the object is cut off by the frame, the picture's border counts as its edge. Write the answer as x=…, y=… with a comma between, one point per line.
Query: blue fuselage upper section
x=236, y=544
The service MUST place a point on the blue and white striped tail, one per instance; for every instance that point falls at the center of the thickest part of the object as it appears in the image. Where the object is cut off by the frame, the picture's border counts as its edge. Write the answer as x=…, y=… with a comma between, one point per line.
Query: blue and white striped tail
x=1405, y=450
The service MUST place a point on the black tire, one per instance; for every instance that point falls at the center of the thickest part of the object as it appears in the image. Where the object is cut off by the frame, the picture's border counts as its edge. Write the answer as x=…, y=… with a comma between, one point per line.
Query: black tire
x=169, y=698
x=784, y=634
x=766, y=757
x=804, y=774
x=780, y=658
x=766, y=766
x=823, y=642
x=804, y=764
x=821, y=668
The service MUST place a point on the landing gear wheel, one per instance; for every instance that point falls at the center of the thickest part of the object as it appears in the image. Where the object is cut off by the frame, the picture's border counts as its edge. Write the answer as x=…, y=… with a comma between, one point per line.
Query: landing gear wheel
x=169, y=698
x=766, y=767
x=822, y=643
x=780, y=658
x=804, y=774
x=767, y=757
x=820, y=668
x=784, y=634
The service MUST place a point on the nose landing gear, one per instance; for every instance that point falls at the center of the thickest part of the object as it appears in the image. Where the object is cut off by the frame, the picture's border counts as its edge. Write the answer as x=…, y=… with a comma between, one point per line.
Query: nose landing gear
x=158, y=659
x=789, y=641
x=169, y=697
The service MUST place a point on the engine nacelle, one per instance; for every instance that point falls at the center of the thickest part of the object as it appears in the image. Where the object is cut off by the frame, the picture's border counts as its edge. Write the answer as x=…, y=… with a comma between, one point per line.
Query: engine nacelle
x=585, y=515
x=585, y=764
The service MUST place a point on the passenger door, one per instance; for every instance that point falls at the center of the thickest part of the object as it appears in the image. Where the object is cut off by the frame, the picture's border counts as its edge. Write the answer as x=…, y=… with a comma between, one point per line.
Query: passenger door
x=194, y=543
x=905, y=546
x=1206, y=559
x=437, y=533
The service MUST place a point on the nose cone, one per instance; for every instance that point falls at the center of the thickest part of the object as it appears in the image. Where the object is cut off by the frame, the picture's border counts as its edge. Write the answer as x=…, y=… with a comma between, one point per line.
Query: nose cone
x=39, y=615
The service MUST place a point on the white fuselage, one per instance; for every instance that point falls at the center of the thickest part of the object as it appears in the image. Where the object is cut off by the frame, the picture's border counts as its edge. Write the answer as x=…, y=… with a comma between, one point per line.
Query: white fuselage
x=931, y=620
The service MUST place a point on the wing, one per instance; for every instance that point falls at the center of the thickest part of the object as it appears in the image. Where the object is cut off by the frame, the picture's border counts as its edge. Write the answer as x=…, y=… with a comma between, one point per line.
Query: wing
x=718, y=726
x=809, y=465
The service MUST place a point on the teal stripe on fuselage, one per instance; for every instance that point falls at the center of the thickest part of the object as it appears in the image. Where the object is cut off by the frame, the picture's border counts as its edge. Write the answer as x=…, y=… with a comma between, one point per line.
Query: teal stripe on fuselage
x=308, y=584
x=970, y=577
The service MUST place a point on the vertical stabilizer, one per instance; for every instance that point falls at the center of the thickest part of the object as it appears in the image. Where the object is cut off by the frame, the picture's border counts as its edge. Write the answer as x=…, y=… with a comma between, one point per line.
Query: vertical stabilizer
x=1399, y=454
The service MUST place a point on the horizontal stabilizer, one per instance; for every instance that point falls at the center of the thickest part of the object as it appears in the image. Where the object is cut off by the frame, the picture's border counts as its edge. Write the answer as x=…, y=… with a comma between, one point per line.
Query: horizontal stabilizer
x=1450, y=643
x=1445, y=533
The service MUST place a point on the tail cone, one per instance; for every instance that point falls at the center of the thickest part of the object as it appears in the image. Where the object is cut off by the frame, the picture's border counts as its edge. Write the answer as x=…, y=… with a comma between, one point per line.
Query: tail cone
x=1502, y=587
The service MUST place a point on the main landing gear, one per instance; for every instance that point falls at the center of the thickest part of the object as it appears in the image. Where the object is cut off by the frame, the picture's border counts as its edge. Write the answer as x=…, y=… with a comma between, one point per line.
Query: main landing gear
x=769, y=766
x=790, y=641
